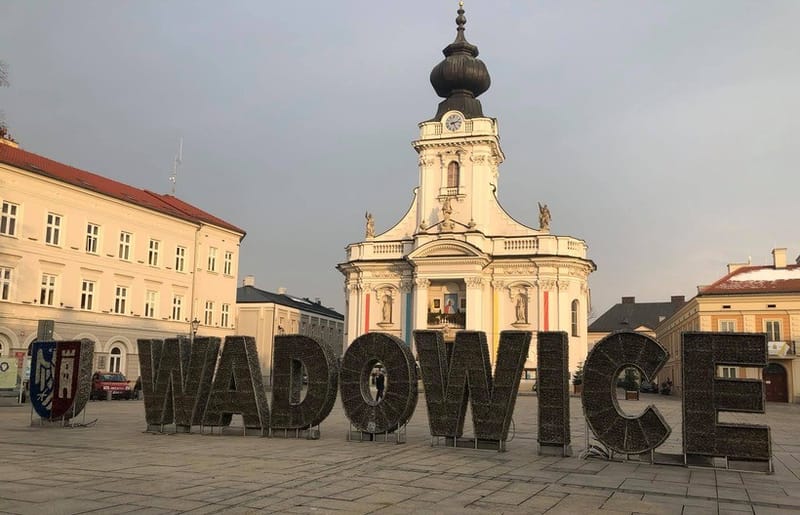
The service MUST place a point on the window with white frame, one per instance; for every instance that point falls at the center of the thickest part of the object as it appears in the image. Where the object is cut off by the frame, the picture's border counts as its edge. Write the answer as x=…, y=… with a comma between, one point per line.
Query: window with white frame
x=8, y=219
x=208, y=319
x=92, y=235
x=180, y=258
x=48, y=292
x=227, y=264
x=115, y=360
x=52, y=235
x=5, y=283
x=120, y=299
x=773, y=330
x=87, y=295
x=453, y=174
x=212, y=259
x=177, y=306
x=125, y=239
x=151, y=304
x=728, y=372
x=152, y=253
x=575, y=317
x=224, y=317
x=727, y=326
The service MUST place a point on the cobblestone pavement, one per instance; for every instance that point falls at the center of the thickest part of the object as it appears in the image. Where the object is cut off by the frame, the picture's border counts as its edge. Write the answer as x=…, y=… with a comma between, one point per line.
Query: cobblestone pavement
x=112, y=466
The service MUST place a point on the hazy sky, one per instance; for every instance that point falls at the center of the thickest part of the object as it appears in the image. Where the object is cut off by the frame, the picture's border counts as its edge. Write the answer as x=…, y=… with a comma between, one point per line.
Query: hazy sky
x=666, y=134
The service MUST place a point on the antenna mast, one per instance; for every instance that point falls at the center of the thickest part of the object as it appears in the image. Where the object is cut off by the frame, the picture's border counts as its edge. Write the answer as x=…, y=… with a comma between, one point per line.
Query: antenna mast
x=178, y=159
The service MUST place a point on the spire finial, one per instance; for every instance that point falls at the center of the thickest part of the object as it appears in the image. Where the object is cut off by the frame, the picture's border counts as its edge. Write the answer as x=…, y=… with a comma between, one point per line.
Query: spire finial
x=461, y=20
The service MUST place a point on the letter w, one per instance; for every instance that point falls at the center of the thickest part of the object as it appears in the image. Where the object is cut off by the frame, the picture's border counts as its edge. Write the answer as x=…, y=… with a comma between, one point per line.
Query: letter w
x=454, y=374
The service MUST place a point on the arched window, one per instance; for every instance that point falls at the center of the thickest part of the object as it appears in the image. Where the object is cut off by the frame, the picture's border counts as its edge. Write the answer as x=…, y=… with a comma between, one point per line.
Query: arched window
x=575, y=317
x=115, y=362
x=453, y=174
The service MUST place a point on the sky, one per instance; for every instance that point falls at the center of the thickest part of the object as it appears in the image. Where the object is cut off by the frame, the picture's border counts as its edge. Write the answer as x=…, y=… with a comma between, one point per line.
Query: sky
x=664, y=134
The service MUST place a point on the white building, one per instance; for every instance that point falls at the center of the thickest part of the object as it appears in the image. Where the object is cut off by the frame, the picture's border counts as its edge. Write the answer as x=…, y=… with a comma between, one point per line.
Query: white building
x=457, y=259
x=263, y=315
x=107, y=261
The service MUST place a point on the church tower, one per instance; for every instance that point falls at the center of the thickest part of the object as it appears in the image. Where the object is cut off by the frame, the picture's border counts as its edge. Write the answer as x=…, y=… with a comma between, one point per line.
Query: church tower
x=457, y=260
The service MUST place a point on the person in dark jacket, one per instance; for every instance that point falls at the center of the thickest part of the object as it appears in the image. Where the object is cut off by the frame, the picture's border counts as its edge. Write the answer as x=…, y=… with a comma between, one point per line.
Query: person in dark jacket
x=380, y=382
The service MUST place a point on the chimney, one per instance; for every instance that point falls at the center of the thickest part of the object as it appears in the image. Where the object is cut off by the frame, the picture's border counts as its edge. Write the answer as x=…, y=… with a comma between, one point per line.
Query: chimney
x=779, y=258
x=281, y=290
x=317, y=300
x=629, y=300
x=249, y=280
x=732, y=267
x=678, y=300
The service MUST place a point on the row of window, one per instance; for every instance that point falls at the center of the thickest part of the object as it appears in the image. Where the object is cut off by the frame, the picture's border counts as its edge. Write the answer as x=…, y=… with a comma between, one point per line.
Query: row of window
x=88, y=300
x=771, y=327
x=53, y=236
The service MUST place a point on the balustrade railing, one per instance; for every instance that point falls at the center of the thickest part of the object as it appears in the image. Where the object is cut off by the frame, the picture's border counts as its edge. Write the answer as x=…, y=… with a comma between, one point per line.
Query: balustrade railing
x=458, y=320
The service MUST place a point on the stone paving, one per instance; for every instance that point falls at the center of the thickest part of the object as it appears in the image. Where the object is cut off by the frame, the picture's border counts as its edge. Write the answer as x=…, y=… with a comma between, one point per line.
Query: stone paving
x=112, y=466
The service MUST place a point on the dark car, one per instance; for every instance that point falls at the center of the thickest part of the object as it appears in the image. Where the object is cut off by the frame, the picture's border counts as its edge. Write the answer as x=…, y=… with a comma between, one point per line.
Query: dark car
x=113, y=383
x=648, y=387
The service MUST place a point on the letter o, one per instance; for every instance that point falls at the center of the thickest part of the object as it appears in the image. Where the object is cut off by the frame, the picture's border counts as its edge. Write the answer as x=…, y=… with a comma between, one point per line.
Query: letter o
x=400, y=397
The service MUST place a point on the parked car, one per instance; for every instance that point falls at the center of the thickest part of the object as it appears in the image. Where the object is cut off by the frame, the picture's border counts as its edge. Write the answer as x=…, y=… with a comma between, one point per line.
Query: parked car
x=114, y=382
x=648, y=387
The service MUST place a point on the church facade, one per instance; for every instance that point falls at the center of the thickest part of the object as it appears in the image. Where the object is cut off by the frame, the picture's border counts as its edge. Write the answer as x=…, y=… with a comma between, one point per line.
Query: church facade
x=457, y=260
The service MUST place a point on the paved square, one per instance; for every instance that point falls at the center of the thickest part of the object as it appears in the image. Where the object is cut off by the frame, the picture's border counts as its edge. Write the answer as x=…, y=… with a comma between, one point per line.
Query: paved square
x=112, y=466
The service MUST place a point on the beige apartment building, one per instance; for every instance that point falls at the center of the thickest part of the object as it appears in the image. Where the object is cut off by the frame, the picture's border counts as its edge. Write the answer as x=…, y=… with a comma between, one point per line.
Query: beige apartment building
x=264, y=314
x=752, y=299
x=107, y=261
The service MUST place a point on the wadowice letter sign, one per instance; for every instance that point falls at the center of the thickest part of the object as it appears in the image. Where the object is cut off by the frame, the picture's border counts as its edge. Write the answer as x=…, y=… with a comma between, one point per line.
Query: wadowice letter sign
x=204, y=384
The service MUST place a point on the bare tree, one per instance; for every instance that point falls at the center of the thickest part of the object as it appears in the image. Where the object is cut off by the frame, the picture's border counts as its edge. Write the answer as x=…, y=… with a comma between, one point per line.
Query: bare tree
x=3, y=84
x=3, y=74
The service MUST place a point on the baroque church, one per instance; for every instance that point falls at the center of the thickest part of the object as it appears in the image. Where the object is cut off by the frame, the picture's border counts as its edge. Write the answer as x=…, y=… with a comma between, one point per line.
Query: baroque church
x=457, y=260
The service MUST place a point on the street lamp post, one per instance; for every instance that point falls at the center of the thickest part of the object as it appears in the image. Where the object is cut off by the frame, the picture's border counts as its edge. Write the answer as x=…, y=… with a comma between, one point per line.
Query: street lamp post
x=195, y=325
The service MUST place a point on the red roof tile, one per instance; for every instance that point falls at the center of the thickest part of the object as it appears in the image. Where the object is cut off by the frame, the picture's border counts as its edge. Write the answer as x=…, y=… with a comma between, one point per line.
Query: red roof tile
x=166, y=204
x=756, y=279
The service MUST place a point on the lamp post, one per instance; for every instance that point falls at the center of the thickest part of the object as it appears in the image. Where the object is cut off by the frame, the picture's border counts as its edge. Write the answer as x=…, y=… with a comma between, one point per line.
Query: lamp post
x=195, y=325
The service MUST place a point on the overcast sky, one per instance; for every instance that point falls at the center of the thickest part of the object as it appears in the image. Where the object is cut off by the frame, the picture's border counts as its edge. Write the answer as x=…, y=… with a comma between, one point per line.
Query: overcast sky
x=665, y=134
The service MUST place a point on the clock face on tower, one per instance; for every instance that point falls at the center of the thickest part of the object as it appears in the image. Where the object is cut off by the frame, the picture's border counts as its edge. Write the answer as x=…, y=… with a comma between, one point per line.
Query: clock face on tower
x=453, y=122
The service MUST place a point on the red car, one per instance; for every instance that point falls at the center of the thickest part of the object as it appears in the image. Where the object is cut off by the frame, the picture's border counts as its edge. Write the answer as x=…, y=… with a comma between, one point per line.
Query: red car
x=113, y=382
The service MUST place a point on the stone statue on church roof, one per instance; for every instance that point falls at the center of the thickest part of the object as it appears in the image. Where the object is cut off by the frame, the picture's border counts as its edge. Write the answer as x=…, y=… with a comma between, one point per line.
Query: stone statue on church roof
x=544, y=217
x=370, y=230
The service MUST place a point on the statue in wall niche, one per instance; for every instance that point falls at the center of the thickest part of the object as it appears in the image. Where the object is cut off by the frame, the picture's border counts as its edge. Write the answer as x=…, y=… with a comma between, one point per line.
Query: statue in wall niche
x=370, y=231
x=521, y=309
x=544, y=217
x=447, y=210
x=386, y=309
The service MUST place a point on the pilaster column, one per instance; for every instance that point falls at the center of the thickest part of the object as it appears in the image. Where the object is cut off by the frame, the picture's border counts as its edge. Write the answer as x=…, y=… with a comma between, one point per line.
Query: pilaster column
x=547, y=304
x=420, y=294
x=497, y=289
x=353, y=291
x=474, y=303
x=406, y=311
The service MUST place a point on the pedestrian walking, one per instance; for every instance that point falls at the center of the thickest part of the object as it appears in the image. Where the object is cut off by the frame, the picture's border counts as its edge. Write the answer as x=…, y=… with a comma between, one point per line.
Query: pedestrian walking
x=380, y=382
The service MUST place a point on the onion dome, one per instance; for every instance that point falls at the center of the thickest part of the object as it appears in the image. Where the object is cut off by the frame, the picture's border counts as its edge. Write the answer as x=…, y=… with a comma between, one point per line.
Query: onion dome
x=460, y=77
